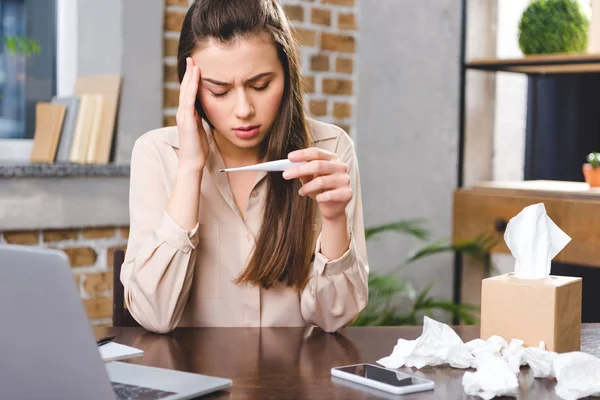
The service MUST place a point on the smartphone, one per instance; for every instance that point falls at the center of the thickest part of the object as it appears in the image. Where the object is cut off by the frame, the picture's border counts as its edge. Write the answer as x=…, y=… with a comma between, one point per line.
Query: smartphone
x=382, y=378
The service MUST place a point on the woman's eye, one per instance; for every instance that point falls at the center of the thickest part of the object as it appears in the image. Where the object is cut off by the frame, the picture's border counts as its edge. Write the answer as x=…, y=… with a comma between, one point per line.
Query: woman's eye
x=260, y=89
x=219, y=94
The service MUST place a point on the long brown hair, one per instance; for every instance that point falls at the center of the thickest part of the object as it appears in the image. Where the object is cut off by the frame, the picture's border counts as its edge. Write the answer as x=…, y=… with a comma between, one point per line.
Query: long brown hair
x=285, y=243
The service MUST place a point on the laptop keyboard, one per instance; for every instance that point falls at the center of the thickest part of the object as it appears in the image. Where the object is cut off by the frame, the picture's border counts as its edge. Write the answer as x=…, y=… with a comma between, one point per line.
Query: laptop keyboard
x=132, y=392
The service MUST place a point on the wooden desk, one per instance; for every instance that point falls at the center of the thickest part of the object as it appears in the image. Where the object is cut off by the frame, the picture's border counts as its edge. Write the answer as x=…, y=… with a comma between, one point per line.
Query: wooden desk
x=295, y=363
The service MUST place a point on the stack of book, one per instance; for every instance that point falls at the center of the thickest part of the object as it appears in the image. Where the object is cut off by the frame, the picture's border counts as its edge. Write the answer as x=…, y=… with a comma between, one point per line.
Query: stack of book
x=78, y=128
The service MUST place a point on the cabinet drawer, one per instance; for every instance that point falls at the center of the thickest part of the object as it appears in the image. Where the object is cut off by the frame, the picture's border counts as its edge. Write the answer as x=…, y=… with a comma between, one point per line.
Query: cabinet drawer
x=582, y=223
x=480, y=211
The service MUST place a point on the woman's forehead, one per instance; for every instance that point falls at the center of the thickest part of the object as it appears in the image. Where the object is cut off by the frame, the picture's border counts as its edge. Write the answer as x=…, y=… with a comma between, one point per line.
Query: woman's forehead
x=239, y=59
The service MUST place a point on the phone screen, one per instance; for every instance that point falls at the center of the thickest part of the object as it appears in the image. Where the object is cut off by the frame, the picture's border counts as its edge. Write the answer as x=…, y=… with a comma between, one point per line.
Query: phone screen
x=382, y=375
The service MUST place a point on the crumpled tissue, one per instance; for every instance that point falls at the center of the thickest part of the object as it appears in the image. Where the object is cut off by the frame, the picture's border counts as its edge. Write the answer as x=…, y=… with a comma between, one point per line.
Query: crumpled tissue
x=497, y=362
x=437, y=345
x=534, y=240
x=494, y=377
x=577, y=375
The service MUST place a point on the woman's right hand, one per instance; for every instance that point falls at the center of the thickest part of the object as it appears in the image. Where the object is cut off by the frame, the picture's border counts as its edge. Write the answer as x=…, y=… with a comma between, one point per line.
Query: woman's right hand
x=193, y=144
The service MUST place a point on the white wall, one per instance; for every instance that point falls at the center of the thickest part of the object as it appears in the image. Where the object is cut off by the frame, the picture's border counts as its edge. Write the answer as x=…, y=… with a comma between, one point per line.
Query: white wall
x=407, y=126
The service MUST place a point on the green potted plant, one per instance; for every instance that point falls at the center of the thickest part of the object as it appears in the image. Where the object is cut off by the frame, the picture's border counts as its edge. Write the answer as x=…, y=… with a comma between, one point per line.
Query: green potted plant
x=591, y=172
x=386, y=291
x=553, y=26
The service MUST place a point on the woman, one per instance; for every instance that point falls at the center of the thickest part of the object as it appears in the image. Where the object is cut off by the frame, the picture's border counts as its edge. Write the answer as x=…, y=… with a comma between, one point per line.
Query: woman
x=208, y=248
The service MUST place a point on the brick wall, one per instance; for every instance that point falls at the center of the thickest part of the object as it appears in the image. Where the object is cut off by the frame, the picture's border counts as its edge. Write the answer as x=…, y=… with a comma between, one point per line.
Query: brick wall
x=90, y=254
x=327, y=31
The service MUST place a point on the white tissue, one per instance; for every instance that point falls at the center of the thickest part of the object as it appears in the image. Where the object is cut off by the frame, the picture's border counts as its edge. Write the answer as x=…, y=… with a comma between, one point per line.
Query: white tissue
x=492, y=378
x=497, y=362
x=577, y=375
x=540, y=361
x=401, y=350
x=534, y=239
x=437, y=345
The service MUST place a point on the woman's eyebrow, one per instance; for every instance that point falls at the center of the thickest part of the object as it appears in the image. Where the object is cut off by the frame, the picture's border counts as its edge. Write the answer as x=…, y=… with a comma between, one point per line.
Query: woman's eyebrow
x=251, y=80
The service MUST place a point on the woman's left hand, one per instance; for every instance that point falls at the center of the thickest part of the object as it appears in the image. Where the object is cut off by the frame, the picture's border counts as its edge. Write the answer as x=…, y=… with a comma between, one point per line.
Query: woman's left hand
x=324, y=178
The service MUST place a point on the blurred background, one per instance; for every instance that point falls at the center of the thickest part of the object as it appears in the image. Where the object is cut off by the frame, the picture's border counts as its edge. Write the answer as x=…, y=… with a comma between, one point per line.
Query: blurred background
x=458, y=108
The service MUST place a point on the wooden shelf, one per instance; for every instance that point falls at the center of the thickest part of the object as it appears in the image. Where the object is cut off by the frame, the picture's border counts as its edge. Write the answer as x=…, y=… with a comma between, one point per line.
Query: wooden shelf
x=540, y=64
x=540, y=187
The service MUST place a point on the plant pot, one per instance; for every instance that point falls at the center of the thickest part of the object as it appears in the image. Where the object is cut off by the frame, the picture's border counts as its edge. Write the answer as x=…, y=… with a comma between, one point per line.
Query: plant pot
x=592, y=175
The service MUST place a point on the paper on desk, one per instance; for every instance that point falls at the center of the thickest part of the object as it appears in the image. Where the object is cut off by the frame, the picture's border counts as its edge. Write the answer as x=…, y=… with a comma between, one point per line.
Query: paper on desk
x=534, y=240
x=114, y=351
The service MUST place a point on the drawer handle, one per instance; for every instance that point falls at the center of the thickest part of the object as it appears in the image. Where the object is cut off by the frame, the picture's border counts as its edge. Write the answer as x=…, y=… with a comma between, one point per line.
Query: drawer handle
x=501, y=225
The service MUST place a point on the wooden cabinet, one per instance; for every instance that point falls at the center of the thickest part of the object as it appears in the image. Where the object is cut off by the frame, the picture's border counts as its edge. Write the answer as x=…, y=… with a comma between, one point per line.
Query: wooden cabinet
x=487, y=208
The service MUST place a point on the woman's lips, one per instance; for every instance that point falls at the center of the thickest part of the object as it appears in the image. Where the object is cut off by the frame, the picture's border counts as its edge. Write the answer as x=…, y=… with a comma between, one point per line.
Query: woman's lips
x=247, y=132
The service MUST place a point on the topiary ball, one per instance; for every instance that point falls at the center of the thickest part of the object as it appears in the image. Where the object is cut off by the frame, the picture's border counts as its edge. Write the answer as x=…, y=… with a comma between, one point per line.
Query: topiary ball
x=553, y=26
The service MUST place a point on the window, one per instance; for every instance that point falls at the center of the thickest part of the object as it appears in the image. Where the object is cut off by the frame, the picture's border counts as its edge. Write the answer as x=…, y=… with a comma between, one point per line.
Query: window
x=24, y=81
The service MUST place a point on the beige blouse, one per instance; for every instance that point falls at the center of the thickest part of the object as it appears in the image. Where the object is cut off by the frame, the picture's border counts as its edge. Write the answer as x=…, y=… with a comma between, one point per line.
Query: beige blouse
x=173, y=277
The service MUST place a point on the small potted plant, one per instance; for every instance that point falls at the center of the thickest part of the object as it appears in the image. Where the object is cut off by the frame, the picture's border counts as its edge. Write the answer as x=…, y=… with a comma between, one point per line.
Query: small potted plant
x=591, y=172
x=553, y=26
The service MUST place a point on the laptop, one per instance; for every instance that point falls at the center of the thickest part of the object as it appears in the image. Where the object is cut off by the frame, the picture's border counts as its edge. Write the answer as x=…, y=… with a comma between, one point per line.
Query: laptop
x=47, y=346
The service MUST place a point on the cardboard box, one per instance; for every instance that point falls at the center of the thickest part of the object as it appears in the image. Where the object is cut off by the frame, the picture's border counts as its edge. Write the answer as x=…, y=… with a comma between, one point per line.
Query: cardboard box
x=546, y=310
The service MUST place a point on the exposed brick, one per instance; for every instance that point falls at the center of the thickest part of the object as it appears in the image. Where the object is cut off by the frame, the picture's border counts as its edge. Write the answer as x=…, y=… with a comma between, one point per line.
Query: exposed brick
x=347, y=21
x=342, y=110
x=125, y=232
x=169, y=120
x=21, y=237
x=318, y=108
x=109, y=255
x=345, y=127
x=95, y=284
x=319, y=62
x=294, y=12
x=183, y=3
x=81, y=256
x=309, y=84
x=339, y=2
x=344, y=65
x=170, y=47
x=337, y=86
x=321, y=16
x=99, y=233
x=59, y=235
x=170, y=73
x=341, y=43
x=305, y=37
x=173, y=21
x=98, y=308
x=171, y=97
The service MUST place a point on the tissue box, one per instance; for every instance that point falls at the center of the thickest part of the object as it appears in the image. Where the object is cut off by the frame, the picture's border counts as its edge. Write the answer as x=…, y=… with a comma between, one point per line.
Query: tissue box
x=546, y=310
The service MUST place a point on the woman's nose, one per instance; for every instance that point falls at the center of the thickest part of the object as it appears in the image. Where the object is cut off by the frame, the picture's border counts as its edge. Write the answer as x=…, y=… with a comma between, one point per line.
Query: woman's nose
x=243, y=108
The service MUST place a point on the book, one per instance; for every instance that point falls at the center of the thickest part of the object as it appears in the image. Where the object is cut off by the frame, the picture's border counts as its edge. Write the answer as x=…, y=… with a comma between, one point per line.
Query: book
x=65, y=143
x=109, y=86
x=48, y=125
x=95, y=130
x=90, y=109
